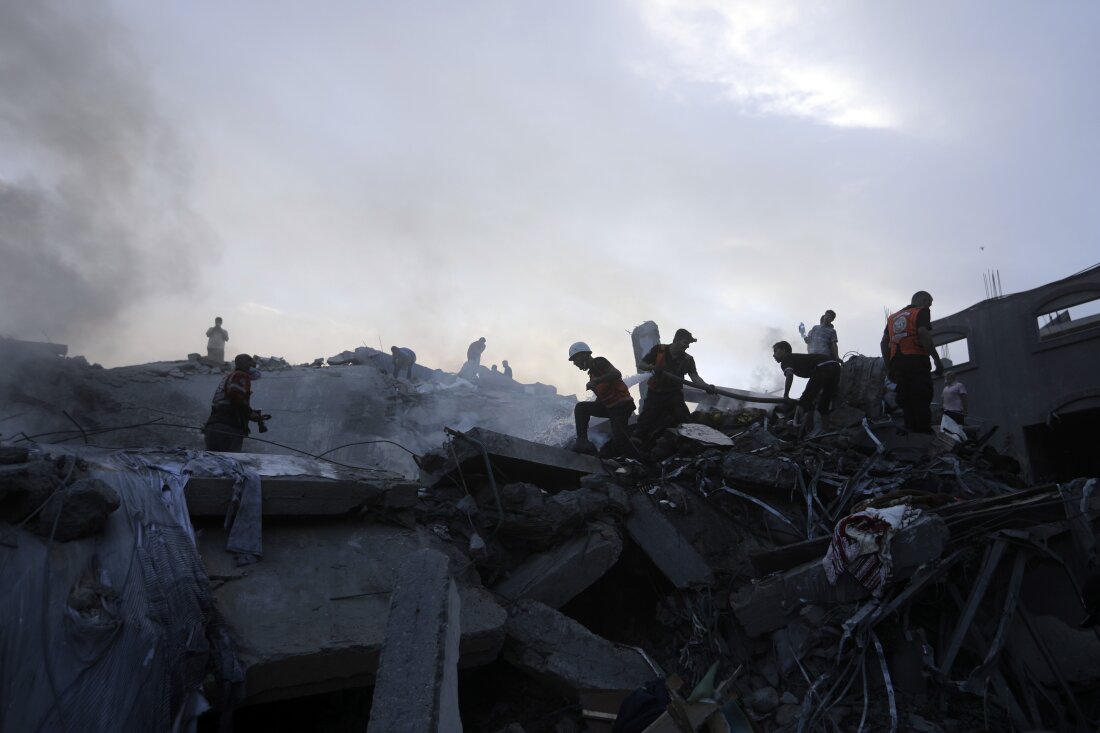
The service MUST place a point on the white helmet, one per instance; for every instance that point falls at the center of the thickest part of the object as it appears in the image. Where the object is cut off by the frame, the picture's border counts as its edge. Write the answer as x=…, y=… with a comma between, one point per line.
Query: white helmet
x=577, y=348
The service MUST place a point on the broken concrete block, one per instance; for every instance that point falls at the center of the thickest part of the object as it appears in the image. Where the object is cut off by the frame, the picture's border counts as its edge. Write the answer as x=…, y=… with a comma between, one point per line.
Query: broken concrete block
x=24, y=486
x=521, y=460
x=702, y=434
x=764, y=606
x=553, y=647
x=417, y=687
x=80, y=510
x=673, y=555
x=769, y=473
x=556, y=576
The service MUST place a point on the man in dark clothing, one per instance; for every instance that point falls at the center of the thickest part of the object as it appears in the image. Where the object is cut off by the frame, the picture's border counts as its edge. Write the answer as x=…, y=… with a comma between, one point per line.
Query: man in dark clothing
x=403, y=358
x=664, y=405
x=822, y=370
x=906, y=346
x=507, y=369
x=231, y=410
x=473, y=353
x=613, y=401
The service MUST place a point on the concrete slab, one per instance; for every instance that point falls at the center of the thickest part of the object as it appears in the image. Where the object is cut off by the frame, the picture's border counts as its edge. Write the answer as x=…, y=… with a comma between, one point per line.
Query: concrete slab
x=312, y=616
x=556, y=576
x=763, y=607
x=417, y=687
x=673, y=555
x=520, y=460
x=301, y=486
x=554, y=648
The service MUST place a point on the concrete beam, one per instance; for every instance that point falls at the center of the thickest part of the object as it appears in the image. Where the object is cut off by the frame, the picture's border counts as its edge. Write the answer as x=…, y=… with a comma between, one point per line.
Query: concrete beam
x=763, y=607
x=744, y=472
x=558, y=575
x=417, y=687
x=521, y=460
x=673, y=555
x=300, y=486
x=554, y=648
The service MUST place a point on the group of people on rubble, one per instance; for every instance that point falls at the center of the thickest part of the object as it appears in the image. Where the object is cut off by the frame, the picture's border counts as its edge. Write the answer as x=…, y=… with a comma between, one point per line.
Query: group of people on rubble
x=906, y=348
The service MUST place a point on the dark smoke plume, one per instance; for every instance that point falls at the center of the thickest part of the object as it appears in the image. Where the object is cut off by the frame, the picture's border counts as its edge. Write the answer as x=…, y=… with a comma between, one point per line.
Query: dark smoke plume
x=94, y=210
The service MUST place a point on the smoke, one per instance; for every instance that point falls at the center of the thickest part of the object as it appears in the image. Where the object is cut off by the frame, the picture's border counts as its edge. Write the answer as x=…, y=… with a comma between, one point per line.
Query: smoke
x=93, y=181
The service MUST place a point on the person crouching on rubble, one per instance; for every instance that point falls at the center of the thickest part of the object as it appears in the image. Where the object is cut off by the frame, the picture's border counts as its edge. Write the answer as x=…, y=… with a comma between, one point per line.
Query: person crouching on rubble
x=822, y=370
x=231, y=410
x=613, y=401
x=664, y=405
x=403, y=358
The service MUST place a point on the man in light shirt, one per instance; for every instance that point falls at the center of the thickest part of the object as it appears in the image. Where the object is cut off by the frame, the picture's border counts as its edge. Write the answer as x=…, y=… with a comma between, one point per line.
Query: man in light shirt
x=215, y=342
x=954, y=398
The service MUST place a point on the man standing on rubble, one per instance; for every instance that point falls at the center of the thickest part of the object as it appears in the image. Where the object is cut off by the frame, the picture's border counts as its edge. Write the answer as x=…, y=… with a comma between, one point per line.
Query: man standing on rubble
x=906, y=345
x=506, y=368
x=231, y=410
x=823, y=373
x=613, y=401
x=216, y=337
x=664, y=405
x=822, y=338
x=474, y=352
x=403, y=358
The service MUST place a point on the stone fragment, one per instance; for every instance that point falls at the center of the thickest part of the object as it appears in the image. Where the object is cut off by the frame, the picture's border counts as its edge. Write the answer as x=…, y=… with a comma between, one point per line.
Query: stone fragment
x=764, y=700
x=556, y=649
x=556, y=576
x=768, y=473
x=788, y=698
x=673, y=555
x=417, y=687
x=702, y=434
x=77, y=511
x=787, y=714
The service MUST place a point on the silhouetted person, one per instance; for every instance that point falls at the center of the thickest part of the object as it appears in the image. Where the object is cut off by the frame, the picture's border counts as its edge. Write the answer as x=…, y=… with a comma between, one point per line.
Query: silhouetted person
x=664, y=405
x=473, y=353
x=403, y=358
x=216, y=337
x=231, y=409
x=507, y=369
x=822, y=338
x=906, y=346
x=823, y=373
x=613, y=401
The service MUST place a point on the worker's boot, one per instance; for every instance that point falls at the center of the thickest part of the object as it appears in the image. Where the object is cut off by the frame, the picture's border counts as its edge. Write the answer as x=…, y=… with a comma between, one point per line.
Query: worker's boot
x=584, y=445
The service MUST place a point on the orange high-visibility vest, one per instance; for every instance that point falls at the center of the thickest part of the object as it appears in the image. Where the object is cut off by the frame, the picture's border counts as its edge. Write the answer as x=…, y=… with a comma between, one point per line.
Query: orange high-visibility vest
x=901, y=327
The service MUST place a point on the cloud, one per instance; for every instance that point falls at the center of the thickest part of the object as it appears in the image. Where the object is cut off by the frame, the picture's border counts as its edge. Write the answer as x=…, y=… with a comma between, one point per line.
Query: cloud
x=756, y=54
x=93, y=193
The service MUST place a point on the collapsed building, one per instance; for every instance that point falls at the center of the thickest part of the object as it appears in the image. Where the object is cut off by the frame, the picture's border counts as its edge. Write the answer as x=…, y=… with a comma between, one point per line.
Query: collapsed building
x=434, y=558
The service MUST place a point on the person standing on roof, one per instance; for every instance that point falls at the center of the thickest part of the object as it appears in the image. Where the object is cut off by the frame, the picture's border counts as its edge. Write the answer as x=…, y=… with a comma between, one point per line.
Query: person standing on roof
x=823, y=373
x=231, y=409
x=664, y=405
x=906, y=346
x=216, y=336
x=822, y=338
x=506, y=369
x=403, y=358
x=613, y=401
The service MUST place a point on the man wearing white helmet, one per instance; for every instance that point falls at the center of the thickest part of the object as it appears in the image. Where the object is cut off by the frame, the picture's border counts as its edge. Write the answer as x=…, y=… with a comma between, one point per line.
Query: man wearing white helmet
x=613, y=400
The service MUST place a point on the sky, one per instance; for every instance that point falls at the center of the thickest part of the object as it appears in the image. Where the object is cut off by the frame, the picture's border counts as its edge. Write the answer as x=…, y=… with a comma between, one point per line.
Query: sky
x=330, y=175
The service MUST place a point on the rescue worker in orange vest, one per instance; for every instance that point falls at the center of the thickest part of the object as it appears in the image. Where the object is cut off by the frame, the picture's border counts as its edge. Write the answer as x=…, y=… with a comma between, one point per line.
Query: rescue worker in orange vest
x=664, y=405
x=231, y=409
x=906, y=346
x=613, y=401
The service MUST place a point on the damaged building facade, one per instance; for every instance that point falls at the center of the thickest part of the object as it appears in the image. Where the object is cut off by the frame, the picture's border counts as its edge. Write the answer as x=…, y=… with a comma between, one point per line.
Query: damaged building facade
x=484, y=577
x=1026, y=360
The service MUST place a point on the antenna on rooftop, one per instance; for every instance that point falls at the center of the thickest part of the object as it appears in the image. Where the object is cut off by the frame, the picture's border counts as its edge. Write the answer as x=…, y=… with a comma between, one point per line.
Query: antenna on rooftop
x=991, y=279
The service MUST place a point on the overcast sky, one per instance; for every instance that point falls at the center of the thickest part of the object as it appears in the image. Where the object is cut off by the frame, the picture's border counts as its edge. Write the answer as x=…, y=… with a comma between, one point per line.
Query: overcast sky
x=329, y=175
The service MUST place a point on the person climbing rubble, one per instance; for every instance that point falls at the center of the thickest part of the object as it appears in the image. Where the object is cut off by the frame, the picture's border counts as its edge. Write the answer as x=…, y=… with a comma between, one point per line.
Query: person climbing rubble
x=613, y=401
x=664, y=405
x=216, y=337
x=823, y=373
x=470, y=369
x=231, y=409
x=403, y=358
x=821, y=339
x=906, y=345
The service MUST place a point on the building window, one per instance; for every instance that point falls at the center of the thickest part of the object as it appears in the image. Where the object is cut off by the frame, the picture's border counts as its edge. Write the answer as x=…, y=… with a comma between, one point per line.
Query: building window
x=1070, y=319
x=957, y=352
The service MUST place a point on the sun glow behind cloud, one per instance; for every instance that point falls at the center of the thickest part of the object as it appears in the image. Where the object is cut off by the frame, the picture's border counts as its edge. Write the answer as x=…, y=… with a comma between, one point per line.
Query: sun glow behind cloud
x=760, y=56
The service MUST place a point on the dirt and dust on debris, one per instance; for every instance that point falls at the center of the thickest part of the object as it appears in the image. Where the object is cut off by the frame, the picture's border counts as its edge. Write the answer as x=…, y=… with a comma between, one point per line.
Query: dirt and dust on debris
x=741, y=580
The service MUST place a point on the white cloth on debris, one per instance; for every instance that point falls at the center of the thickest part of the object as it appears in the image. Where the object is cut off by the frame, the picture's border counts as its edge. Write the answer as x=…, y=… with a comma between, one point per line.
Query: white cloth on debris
x=861, y=545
